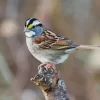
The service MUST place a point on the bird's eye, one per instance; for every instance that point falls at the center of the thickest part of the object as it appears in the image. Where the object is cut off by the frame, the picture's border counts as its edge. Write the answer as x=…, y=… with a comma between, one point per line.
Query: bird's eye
x=30, y=26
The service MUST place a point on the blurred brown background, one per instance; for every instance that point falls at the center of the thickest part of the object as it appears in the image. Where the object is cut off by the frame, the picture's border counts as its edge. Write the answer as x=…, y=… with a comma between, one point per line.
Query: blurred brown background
x=79, y=20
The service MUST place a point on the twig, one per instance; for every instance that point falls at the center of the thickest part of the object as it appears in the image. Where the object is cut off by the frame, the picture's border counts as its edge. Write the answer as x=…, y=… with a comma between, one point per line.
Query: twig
x=48, y=80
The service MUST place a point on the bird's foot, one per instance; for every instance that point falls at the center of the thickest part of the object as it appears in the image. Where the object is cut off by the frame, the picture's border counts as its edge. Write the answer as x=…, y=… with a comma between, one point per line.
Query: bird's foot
x=48, y=65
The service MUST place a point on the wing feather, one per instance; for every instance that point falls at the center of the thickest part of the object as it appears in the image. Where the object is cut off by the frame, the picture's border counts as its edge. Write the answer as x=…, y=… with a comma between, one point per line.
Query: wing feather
x=49, y=40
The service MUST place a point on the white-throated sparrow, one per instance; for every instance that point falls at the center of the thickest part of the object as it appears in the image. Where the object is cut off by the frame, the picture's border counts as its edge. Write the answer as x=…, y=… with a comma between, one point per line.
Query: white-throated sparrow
x=47, y=46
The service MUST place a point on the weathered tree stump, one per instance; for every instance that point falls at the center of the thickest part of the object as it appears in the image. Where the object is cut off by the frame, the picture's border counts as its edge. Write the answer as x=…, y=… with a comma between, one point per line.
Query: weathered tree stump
x=48, y=80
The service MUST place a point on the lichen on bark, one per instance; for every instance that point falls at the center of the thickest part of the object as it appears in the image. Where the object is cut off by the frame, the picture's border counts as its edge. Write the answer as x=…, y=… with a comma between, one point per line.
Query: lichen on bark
x=48, y=80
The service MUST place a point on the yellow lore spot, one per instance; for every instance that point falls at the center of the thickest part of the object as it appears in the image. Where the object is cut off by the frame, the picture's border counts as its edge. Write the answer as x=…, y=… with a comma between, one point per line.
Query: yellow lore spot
x=30, y=26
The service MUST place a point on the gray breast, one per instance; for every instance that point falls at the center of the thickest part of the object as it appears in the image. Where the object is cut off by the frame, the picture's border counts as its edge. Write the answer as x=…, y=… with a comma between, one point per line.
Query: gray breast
x=47, y=55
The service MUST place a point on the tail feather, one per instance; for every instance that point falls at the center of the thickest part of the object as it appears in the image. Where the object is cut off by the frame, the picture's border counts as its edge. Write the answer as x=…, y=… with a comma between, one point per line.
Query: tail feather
x=88, y=47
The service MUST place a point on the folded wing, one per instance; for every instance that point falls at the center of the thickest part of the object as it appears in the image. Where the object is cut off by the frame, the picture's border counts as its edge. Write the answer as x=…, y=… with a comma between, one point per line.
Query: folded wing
x=49, y=40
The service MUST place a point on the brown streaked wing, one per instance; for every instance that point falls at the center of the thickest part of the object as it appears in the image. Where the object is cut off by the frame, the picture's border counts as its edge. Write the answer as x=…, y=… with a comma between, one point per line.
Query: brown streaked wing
x=50, y=40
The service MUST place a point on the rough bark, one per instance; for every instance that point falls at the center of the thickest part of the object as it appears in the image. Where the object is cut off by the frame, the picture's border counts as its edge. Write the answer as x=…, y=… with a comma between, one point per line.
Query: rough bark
x=48, y=80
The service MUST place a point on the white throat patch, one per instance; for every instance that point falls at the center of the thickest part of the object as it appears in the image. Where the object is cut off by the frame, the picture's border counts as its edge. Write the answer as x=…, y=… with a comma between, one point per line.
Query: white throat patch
x=30, y=34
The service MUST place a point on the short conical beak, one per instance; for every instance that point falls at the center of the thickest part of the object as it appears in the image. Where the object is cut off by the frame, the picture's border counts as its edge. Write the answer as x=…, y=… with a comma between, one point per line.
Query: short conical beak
x=26, y=30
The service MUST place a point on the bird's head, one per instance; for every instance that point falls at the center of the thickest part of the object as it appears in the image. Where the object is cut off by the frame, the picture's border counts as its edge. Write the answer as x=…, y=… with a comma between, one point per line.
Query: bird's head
x=33, y=28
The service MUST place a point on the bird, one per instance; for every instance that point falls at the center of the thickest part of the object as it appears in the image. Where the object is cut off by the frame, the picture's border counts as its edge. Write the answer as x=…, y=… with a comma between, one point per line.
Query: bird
x=46, y=46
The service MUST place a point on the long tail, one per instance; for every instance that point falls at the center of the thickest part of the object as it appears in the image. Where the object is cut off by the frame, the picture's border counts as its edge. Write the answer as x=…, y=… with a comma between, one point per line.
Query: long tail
x=88, y=47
